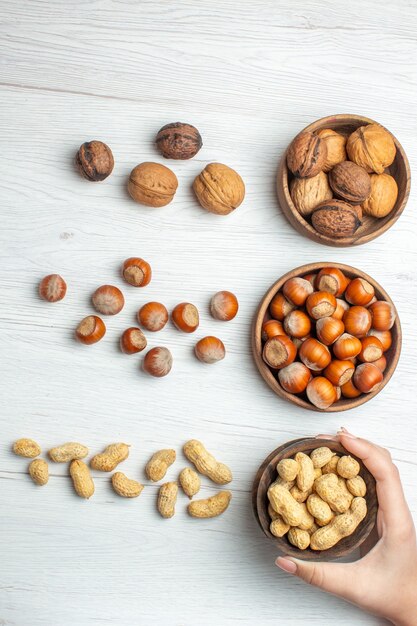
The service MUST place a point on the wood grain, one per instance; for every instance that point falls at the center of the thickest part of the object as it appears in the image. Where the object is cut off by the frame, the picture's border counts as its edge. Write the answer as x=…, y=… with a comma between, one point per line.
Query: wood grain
x=249, y=77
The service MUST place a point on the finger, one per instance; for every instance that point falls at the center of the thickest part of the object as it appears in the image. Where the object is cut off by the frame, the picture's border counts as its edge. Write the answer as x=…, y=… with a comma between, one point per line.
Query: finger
x=331, y=577
x=389, y=489
x=331, y=437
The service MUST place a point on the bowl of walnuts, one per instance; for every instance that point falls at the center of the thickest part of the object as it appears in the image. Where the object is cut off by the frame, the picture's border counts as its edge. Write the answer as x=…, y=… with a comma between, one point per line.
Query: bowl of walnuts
x=344, y=180
x=314, y=500
x=326, y=337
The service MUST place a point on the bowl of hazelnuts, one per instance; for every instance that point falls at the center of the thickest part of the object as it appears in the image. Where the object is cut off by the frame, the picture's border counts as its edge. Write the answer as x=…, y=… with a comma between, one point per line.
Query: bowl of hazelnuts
x=344, y=180
x=326, y=337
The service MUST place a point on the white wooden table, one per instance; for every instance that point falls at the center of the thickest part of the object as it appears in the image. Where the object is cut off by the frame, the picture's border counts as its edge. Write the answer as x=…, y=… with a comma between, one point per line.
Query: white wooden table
x=249, y=76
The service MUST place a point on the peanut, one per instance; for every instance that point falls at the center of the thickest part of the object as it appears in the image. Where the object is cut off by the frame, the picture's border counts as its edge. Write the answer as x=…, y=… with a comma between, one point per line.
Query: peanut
x=347, y=467
x=300, y=496
x=272, y=514
x=313, y=529
x=307, y=519
x=287, y=484
x=158, y=464
x=305, y=476
x=319, y=509
x=356, y=486
x=283, y=503
x=108, y=460
x=317, y=472
x=329, y=490
x=341, y=526
x=278, y=527
x=27, y=448
x=330, y=467
x=211, y=507
x=206, y=464
x=343, y=487
x=299, y=538
x=189, y=481
x=81, y=478
x=288, y=469
x=126, y=487
x=321, y=456
x=39, y=472
x=167, y=497
x=70, y=451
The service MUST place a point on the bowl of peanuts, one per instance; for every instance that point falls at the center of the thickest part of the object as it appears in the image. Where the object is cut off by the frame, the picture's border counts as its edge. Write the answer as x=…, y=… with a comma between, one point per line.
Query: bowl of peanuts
x=326, y=337
x=314, y=500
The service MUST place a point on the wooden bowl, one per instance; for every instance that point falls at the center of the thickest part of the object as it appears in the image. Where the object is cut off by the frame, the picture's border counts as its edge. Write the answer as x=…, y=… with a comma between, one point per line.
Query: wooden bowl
x=392, y=355
x=371, y=227
x=266, y=475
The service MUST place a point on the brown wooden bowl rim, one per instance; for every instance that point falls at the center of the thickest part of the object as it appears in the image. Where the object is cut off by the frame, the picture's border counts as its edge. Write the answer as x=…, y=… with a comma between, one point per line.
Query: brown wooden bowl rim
x=260, y=501
x=302, y=225
x=344, y=403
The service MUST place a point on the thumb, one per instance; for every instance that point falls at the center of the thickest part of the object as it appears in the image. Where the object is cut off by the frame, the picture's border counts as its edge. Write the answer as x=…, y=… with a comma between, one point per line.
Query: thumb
x=336, y=578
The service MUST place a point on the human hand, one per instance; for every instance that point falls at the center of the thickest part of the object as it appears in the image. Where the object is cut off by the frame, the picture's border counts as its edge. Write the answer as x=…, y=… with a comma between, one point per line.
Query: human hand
x=384, y=581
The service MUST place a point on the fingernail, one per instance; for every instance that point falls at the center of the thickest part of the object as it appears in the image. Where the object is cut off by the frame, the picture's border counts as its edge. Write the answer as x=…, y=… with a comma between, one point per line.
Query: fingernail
x=346, y=433
x=333, y=437
x=286, y=565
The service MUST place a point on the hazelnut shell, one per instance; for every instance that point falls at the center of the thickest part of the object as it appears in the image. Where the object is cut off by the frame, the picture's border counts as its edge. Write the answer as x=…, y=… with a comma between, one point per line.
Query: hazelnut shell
x=350, y=182
x=336, y=219
x=219, y=189
x=178, y=141
x=94, y=161
x=152, y=184
x=306, y=155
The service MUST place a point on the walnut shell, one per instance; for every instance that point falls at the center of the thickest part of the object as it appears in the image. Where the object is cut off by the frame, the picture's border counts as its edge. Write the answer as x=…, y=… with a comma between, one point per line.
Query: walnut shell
x=152, y=184
x=219, y=189
x=178, y=141
x=307, y=193
x=350, y=182
x=336, y=219
x=336, y=147
x=372, y=147
x=306, y=155
x=384, y=193
x=94, y=160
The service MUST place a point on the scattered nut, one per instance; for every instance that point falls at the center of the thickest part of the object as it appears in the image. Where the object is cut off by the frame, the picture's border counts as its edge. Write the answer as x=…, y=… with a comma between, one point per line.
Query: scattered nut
x=94, y=161
x=336, y=219
x=224, y=306
x=152, y=184
x=90, y=330
x=126, y=487
x=306, y=155
x=158, y=362
x=108, y=300
x=27, y=448
x=178, y=141
x=219, y=189
x=153, y=316
x=52, y=288
x=137, y=272
x=205, y=462
x=210, y=350
x=81, y=478
x=185, y=317
x=70, y=451
x=132, y=341
x=157, y=466
x=108, y=460
x=39, y=472
x=167, y=497
x=189, y=481
x=372, y=147
x=211, y=507
x=307, y=193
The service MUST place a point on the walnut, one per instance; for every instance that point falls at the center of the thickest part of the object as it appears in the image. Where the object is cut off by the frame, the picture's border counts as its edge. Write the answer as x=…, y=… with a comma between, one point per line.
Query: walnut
x=306, y=155
x=94, y=160
x=350, y=182
x=336, y=219
x=384, y=192
x=152, y=184
x=372, y=147
x=336, y=147
x=178, y=141
x=307, y=193
x=219, y=189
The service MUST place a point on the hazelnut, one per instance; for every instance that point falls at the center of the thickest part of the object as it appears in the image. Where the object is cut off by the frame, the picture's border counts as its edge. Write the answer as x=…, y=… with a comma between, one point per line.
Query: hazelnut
x=307, y=193
x=94, y=160
x=90, y=330
x=372, y=147
x=178, y=141
x=52, y=288
x=306, y=155
x=219, y=189
x=336, y=219
x=158, y=362
x=210, y=350
x=383, y=196
x=185, y=317
x=336, y=147
x=224, y=306
x=350, y=182
x=153, y=316
x=108, y=300
x=132, y=341
x=137, y=272
x=152, y=184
